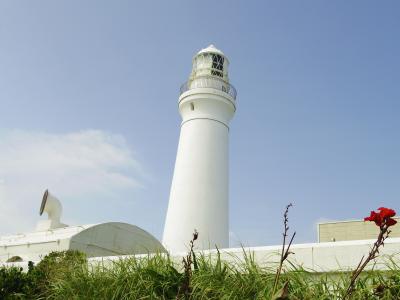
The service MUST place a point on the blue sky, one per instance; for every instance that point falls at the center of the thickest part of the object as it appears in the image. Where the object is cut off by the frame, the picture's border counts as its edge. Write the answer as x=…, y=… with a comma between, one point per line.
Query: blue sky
x=88, y=108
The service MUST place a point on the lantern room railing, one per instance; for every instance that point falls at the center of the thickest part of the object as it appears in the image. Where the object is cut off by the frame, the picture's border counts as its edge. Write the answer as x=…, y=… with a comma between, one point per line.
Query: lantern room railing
x=209, y=82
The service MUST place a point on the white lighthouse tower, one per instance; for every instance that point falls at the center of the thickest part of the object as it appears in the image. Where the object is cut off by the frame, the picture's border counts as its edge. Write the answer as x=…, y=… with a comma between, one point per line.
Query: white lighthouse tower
x=200, y=186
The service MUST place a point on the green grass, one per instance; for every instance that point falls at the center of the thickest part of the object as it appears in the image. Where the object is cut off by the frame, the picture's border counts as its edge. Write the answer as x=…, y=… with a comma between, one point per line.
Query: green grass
x=157, y=277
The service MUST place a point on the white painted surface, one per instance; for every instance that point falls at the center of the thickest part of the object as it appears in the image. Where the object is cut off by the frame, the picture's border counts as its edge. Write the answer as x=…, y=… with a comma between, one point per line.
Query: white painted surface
x=321, y=257
x=113, y=238
x=314, y=257
x=53, y=207
x=210, y=49
x=199, y=191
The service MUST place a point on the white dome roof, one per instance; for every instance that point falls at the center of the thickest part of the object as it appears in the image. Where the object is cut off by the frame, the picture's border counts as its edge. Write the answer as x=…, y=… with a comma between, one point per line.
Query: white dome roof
x=211, y=49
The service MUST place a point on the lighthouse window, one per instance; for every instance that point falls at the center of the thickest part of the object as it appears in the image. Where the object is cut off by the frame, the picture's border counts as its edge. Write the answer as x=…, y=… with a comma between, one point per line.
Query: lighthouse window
x=218, y=62
x=218, y=73
x=217, y=65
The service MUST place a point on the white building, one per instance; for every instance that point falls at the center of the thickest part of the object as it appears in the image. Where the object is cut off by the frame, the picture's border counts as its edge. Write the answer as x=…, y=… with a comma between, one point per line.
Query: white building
x=111, y=238
x=200, y=185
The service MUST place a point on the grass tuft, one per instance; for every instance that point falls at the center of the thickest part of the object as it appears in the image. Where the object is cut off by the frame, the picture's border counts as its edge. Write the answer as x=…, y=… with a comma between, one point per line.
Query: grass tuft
x=68, y=276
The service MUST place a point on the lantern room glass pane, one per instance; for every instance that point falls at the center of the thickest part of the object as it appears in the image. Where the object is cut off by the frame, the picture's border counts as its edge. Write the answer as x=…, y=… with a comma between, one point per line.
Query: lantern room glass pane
x=218, y=62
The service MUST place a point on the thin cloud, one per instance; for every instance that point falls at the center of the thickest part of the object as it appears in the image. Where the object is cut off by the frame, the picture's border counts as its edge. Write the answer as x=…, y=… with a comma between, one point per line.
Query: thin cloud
x=80, y=165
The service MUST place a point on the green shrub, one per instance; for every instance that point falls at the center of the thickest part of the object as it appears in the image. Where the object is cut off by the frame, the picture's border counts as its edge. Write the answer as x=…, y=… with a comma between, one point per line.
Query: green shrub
x=38, y=282
x=53, y=267
x=13, y=283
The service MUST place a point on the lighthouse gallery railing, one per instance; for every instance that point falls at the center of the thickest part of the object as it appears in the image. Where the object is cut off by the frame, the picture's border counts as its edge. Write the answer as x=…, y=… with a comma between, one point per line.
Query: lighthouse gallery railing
x=209, y=82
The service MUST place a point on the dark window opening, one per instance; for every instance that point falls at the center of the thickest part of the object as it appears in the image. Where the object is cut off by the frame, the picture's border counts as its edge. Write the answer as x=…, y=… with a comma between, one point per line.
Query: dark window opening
x=218, y=73
x=191, y=106
x=218, y=62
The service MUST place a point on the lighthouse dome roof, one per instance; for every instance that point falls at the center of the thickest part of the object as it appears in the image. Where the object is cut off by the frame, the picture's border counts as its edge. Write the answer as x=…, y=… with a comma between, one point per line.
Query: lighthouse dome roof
x=211, y=49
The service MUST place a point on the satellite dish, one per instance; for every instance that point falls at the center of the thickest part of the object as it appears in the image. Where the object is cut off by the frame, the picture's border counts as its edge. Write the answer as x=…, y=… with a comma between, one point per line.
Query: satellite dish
x=52, y=206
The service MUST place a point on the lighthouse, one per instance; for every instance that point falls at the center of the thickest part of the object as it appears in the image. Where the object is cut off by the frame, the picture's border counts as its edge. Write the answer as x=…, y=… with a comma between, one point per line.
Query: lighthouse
x=199, y=196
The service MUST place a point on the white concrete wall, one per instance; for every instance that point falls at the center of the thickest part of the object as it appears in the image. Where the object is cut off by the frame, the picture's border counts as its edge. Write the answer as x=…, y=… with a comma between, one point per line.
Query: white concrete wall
x=32, y=251
x=322, y=257
x=315, y=257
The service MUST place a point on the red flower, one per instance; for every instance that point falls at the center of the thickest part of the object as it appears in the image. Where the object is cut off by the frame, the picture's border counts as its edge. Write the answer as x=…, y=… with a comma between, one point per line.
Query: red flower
x=391, y=222
x=374, y=217
x=386, y=212
x=383, y=217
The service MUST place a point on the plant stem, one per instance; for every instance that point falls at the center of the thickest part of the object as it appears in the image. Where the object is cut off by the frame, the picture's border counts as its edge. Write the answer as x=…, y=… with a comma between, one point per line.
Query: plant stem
x=285, y=252
x=383, y=234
